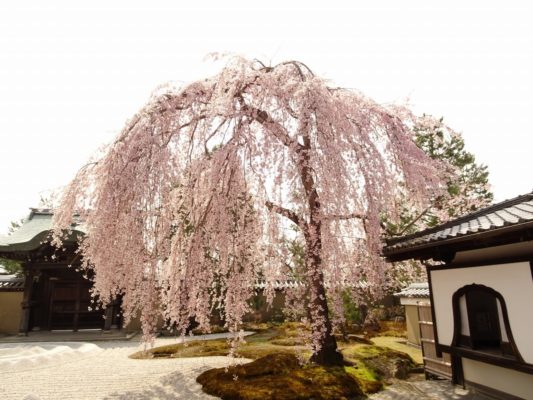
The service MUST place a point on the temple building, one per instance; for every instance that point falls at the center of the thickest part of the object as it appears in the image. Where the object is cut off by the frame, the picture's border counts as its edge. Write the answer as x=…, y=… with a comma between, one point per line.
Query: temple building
x=52, y=293
x=480, y=273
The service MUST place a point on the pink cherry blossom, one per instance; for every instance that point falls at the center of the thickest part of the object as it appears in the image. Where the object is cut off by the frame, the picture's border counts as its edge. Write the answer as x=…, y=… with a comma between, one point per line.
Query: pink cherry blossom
x=197, y=197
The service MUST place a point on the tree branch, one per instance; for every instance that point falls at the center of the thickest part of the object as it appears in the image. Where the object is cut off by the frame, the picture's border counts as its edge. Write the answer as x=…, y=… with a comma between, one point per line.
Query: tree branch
x=283, y=211
x=344, y=217
x=298, y=65
x=264, y=118
x=413, y=221
x=410, y=224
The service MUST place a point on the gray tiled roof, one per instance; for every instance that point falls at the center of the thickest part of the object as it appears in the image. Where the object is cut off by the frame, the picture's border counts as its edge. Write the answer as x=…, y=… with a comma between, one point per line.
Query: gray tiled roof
x=37, y=223
x=507, y=213
x=34, y=230
x=415, y=290
x=11, y=283
x=292, y=284
x=280, y=284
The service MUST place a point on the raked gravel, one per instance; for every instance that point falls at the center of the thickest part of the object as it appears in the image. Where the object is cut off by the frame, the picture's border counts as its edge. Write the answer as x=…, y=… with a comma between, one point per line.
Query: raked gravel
x=79, y=371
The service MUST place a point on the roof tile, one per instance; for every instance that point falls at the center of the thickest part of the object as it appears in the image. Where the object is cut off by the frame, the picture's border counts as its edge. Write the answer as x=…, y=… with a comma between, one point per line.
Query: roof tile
x=506, y=213
x=414, y=290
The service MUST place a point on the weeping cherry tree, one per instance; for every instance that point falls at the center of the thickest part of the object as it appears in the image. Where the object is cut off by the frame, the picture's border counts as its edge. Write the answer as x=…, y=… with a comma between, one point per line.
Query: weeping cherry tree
x=192, y=201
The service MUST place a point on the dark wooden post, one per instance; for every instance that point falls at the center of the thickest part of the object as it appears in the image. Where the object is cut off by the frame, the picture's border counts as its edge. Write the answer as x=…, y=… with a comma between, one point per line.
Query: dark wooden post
x=109, y=316
x=76, y=321
x=26, y=300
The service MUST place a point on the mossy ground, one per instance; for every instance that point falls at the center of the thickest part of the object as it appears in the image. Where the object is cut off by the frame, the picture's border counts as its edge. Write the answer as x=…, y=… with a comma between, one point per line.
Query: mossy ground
x=262, y=343
x=392, y=328
x=399, y=344
x=280, y=377
x=372, y=366
x=267, y=340
x=382, y=363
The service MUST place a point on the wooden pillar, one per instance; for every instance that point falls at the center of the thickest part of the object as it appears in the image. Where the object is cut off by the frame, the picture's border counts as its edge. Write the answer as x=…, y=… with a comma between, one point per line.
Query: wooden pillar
x=457, y=371
x=76, y=321
x=109, y=316
x=26, y=301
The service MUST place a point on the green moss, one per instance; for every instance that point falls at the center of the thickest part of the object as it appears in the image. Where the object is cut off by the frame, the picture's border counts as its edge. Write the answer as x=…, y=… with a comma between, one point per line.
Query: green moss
x=384, y=362
x=288, y=342
x=361, y=372
x=369, y=351
x=399, y=344
x=257, y=346
x=263, y=336
x=282, y=339
x=290, y=330
x=256, y=326
x=213, y=329
x=280, y=377
x=195, y=348
x=392, y=328
x=372, y=365
x=367, y=379
x=261, y=350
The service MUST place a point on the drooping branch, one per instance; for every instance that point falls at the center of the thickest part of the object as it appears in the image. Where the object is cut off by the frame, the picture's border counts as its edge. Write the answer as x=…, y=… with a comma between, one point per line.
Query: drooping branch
x=273, y=126
x=298, y=65
x=285, y=212
x=337, y=217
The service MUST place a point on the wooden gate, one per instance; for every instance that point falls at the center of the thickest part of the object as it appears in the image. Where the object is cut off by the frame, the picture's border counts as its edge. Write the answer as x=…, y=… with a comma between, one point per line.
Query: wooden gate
x=433, y=365
x=70, y=303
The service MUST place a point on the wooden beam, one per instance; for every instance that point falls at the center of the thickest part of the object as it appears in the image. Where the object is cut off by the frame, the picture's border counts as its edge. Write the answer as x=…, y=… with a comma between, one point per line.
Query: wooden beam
x=26, y=301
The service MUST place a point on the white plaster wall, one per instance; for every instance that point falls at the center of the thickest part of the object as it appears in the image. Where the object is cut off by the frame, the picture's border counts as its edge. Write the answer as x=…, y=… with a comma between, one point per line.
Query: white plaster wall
x=502, y=323
x=513, y=281
x=411, y=301
x=411, y=323
x=505, y=380
x=465, y=328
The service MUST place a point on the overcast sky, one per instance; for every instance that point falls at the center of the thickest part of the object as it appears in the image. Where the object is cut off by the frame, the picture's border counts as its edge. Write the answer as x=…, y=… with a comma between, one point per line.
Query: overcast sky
x=70, y=75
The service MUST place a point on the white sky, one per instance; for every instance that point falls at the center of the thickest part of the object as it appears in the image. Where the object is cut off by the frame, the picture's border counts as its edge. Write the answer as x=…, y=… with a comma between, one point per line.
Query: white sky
x=71, y=75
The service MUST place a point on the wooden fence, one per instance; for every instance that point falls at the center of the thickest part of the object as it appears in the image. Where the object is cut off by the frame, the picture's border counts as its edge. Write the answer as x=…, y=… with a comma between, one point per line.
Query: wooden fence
x=433, y=365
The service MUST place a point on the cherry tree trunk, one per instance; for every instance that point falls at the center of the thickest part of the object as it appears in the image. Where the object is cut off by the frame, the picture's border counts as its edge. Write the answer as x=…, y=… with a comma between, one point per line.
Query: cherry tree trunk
x=325, y=348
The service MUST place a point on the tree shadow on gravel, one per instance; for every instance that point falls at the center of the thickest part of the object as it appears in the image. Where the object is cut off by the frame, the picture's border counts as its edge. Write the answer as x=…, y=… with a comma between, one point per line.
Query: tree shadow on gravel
x=170, y=387
x=426, y=390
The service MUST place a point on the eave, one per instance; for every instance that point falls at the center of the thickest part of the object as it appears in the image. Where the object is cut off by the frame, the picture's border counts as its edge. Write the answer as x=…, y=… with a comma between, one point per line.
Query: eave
x=443, y=250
